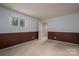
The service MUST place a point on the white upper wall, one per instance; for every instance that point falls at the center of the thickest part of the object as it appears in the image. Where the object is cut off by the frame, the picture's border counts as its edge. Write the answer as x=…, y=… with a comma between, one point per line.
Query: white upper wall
x=68, y=23
x=31, y=24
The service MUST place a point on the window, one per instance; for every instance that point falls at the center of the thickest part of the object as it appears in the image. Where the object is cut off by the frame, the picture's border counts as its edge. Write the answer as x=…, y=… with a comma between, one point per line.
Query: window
x=22, y=23
x=18, y=22
x=15, y=21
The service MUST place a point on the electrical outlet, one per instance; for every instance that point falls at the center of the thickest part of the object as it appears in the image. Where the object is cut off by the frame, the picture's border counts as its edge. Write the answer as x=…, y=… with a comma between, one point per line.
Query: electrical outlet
x=32, y=37
x=54, y=37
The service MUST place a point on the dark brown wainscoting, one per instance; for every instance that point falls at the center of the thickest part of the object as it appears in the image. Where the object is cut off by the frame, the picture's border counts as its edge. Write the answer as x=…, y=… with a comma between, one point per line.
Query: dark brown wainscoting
x=64, y=36
x=10, y=39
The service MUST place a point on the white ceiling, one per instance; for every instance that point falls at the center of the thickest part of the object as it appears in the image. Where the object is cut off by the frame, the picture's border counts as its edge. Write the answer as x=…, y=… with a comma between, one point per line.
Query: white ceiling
x=44, y=11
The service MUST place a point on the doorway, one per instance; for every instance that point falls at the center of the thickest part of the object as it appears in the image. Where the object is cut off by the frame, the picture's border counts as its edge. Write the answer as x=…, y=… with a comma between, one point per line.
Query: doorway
x=43, y=31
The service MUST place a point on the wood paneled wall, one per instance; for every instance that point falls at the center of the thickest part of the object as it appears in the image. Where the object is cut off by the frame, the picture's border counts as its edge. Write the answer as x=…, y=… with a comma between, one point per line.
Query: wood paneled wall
x=64, y=36
x=10, y=39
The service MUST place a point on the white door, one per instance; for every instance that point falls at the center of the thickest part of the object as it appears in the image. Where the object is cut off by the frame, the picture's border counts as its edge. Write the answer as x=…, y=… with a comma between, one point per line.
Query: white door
x=40, y=31
x=43, y=32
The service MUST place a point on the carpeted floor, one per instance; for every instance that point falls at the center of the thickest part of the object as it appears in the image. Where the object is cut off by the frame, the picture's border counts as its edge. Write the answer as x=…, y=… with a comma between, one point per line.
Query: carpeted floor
x=42, y=48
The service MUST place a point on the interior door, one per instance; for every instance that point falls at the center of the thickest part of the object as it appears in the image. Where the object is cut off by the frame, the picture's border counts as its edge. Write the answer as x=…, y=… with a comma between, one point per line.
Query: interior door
x=43, y=32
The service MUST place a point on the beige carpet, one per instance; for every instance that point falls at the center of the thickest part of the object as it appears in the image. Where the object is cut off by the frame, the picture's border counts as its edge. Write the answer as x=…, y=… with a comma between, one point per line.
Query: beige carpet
x=42, y=48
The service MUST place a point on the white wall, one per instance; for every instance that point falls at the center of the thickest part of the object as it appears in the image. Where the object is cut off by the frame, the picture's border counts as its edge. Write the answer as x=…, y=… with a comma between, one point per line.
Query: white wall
x=67, y=23
x=31, y=24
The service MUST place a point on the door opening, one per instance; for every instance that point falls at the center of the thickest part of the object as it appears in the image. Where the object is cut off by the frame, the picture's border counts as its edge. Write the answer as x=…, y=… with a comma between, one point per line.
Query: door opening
x=43, y=32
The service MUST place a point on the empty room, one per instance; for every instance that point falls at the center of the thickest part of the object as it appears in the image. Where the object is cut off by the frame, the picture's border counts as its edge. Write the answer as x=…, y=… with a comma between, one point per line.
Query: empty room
x=39, y=29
